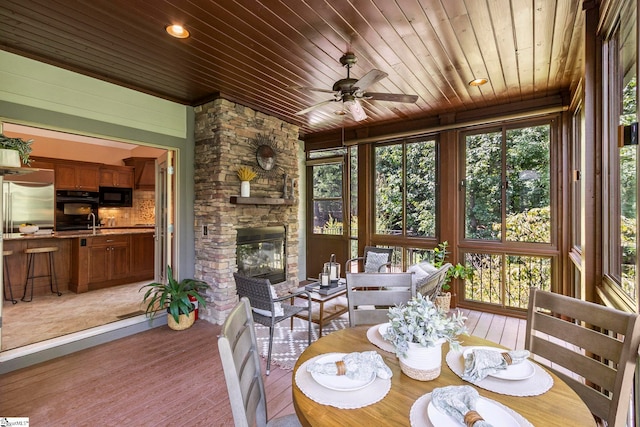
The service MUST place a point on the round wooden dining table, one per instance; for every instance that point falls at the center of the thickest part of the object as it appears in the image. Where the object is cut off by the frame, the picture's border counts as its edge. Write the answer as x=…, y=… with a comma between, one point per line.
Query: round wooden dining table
x=559, y=406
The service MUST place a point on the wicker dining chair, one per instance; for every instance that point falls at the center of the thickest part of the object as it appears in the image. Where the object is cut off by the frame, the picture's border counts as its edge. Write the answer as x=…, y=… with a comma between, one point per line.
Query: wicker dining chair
x=241, y=365
x=592, y=348
x=263, y=298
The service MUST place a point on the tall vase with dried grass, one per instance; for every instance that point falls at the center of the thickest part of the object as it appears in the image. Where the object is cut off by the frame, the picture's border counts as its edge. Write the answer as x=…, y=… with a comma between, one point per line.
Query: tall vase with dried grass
x=245, y=174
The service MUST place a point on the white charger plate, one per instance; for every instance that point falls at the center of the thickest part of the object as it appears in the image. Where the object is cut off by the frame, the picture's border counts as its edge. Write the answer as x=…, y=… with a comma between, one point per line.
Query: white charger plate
x=382, y=329
x=492, y=414
x=339, y=382
x=517, y=372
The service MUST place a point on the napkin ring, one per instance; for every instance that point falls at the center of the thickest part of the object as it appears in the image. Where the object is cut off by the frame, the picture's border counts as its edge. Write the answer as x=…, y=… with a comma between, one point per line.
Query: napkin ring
x=471, y=417
x=507, y=358
x=342, y=368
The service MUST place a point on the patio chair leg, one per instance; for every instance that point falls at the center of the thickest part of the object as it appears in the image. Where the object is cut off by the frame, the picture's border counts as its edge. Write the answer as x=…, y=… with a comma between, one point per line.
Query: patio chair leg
x=269, y=353
x=309, y=325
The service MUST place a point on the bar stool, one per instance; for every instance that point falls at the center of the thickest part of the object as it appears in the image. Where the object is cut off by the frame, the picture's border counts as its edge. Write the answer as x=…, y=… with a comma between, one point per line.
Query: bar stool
x=7, y=278
x=31, y=252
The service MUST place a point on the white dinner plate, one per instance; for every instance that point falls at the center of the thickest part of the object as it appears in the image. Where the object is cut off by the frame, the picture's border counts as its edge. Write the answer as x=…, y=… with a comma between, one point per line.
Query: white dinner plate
x=492, y=414
x=339, y=382
x=517, y=372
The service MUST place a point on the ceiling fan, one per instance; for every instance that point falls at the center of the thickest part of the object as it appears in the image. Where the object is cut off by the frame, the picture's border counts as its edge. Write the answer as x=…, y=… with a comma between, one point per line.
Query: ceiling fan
x=350, y=91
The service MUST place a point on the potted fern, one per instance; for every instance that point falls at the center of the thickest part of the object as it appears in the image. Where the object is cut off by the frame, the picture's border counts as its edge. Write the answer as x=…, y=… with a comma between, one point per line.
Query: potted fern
x=458, y=271
x=14, y=151
x=174, y=296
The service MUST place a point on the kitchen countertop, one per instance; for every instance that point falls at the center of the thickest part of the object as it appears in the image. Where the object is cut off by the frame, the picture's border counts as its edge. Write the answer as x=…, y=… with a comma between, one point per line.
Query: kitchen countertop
x=79, y=233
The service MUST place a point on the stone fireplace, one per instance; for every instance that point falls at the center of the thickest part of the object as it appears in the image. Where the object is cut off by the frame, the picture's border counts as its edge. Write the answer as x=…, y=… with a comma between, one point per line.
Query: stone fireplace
x=225, y=136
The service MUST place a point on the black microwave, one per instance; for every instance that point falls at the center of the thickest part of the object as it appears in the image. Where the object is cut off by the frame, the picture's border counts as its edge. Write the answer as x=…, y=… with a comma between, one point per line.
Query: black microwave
x=115, y=197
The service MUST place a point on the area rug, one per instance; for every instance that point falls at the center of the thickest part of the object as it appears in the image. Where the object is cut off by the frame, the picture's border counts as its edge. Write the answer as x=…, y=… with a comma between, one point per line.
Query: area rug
x=289, y=344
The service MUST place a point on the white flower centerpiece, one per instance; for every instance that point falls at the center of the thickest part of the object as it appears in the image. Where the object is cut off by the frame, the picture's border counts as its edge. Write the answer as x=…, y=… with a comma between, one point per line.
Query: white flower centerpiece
x=417, y=331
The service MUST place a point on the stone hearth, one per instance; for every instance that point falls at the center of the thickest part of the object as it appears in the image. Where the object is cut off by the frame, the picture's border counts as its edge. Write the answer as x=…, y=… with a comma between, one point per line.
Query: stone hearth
x=225, y=135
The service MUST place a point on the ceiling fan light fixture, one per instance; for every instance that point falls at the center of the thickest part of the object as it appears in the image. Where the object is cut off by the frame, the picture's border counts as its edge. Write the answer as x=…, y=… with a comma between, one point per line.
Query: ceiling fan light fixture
x=177, y=31
x=356, y=110
x=478, y=82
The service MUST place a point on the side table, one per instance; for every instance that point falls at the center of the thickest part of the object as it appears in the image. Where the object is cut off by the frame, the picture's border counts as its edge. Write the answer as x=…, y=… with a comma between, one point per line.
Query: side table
x=323, y=314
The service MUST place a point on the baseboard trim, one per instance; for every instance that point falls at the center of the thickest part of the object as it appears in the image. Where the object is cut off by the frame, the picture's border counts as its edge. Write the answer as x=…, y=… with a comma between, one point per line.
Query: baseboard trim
x=32, y=354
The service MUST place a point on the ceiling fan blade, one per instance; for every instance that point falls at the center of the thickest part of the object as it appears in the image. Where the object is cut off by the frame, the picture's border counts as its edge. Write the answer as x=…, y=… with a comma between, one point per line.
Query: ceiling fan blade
x=356, y=110
x=315, y=89
x=394, y=97
x=370, y=78
x=313, y=107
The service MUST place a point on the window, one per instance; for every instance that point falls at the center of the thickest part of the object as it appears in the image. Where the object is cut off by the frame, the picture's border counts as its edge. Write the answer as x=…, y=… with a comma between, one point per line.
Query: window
x=327, y=196
x=516, y=208
x=507, y=201
x=405, y=188
x=627, y=164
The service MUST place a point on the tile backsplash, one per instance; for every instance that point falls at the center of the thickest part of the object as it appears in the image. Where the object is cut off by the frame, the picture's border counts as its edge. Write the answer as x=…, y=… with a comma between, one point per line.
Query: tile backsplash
x=143, y=211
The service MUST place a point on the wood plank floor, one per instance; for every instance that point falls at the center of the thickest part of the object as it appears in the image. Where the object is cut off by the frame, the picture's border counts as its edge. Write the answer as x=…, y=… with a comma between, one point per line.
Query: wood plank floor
x=162, y=377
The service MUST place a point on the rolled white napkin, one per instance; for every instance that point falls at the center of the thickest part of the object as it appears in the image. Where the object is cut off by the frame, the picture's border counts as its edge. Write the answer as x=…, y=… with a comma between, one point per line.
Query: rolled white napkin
x=356, y=366
x=459, y=402
x=479, y=363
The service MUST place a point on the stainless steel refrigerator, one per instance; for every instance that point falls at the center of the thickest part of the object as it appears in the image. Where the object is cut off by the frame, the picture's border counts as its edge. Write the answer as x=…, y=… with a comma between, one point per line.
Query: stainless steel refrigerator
x=28, y=198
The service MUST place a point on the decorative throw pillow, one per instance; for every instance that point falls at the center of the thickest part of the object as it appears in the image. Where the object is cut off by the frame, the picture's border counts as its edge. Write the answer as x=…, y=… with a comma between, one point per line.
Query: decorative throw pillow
x=421, y=272
x=374, y=261
x=277, y=306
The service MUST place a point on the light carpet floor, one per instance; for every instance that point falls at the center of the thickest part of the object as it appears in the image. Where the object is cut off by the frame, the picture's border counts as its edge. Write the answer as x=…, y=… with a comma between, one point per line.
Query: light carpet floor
x=52, y=316
x=288, y=344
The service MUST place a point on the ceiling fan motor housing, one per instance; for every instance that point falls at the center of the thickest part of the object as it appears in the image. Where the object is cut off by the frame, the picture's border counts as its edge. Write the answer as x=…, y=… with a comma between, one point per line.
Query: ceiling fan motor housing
x=344, y=85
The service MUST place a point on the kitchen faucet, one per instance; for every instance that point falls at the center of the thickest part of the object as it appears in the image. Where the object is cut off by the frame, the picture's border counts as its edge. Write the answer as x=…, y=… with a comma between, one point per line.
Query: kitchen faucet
x=92, y=217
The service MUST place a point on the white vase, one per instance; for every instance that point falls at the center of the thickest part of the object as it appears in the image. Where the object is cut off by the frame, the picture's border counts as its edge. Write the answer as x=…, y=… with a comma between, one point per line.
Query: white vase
x=245, y=188
x=422, y=363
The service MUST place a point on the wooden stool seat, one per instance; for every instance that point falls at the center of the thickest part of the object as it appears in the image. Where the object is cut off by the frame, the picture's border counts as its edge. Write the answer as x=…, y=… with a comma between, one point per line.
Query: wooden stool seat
x=31, y=252
x=7, y=279
x=40, y=250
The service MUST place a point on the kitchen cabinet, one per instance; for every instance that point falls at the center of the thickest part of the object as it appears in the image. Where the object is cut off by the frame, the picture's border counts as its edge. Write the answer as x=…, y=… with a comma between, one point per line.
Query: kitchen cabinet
x=78, y=176
x=100, y=261
x=142, y=255
x=116, y=176
x=108, y=259
x=145, y=172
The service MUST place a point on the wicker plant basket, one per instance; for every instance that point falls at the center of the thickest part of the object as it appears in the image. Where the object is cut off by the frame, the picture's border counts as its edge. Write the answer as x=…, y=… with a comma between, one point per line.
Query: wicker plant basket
x=185, y=321
x=422, y=363
x=443, y=302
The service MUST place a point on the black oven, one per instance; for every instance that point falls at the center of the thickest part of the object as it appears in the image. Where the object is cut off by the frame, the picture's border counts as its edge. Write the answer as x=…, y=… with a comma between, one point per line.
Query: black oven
x=115, y=197
x=73, y=209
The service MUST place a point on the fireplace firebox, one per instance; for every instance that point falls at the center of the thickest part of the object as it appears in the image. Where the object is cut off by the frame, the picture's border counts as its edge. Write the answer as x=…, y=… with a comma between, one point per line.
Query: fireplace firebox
x=261, y=253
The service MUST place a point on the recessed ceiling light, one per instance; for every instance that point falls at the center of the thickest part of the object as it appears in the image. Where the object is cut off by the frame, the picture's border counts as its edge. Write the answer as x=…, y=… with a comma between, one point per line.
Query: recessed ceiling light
x=339, y=112
x=177, y=31
x=478, y=82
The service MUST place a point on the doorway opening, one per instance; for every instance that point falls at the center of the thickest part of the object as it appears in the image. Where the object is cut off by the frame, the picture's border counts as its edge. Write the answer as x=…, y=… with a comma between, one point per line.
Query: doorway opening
x=27, y=323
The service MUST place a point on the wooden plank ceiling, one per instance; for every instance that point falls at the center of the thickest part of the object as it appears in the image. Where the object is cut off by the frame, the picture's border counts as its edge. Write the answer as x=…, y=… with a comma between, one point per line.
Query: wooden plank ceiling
x=253, y=52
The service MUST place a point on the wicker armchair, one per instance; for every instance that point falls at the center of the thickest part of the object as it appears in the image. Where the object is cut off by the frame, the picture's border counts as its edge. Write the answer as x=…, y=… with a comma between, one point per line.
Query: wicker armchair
x=367, y=250
x=432, y=285
x=261, y=297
